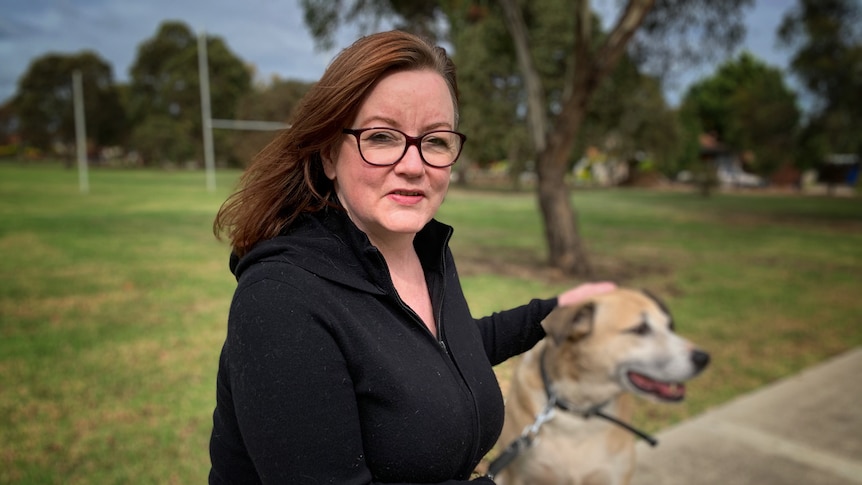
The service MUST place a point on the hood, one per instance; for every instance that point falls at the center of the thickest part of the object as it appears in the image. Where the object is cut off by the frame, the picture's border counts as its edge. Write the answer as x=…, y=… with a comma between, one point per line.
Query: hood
x=328, y=245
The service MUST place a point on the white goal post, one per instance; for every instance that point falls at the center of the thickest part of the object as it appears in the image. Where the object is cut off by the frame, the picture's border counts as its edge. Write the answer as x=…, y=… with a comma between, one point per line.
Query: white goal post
x=209, y=123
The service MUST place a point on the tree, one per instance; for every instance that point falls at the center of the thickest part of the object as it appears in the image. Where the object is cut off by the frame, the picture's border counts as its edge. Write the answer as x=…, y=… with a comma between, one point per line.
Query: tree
x=827, y=36
x=593, y=60
x=165, y=85
x=747, y=105
x=627, y=117
x=44, y=101
x=765, y=122
x=584, y=59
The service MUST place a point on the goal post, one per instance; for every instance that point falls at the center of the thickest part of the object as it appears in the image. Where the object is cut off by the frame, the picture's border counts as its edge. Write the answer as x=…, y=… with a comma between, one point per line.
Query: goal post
x=207, y=121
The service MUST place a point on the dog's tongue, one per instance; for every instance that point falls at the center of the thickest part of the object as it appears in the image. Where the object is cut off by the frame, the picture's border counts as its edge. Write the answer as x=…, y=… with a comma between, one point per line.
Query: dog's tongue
x=665, y=390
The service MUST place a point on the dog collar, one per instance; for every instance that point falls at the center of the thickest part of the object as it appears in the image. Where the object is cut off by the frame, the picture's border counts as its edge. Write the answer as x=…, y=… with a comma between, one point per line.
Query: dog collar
x=555, y=400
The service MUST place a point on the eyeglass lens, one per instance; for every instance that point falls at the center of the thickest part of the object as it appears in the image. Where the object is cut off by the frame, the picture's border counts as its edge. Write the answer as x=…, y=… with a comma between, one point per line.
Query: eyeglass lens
x=386, y=147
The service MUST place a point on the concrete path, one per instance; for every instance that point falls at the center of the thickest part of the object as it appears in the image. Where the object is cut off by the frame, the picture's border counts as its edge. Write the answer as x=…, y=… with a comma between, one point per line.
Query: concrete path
x=805, y=429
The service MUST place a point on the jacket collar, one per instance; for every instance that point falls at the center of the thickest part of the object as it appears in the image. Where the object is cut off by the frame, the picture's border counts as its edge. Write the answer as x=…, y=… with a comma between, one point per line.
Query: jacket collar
x=328, y=244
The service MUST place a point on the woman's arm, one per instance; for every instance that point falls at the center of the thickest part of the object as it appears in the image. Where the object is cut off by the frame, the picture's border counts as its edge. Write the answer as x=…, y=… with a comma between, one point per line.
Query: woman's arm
x=509, y=333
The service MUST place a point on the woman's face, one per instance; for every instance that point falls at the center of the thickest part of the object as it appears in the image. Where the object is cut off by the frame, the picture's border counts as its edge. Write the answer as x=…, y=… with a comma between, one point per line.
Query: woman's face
x=398, y=200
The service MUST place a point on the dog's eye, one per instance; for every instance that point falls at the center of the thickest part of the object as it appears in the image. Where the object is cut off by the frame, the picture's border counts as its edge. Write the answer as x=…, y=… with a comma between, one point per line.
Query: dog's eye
x=642, y=329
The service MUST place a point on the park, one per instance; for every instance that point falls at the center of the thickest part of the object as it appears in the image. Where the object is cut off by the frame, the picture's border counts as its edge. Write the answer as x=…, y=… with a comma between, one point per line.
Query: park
x=737, y=205
x=114, y=302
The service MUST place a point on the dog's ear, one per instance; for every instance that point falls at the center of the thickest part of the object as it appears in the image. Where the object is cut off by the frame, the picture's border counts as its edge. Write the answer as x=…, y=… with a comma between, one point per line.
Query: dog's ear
x=570, y=322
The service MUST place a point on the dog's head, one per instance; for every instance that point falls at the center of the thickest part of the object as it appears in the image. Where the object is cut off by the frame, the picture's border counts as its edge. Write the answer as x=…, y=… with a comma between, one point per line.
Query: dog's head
x=624, y=339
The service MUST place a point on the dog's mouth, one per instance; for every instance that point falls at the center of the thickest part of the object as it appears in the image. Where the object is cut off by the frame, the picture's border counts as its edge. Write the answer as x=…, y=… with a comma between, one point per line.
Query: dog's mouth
x=666, y=391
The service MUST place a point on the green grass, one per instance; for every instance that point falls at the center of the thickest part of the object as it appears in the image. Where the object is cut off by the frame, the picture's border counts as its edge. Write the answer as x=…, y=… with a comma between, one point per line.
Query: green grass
x=113, y=304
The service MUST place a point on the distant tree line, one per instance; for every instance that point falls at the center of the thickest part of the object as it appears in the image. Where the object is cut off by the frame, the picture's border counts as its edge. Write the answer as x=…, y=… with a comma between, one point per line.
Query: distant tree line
x=156, y=117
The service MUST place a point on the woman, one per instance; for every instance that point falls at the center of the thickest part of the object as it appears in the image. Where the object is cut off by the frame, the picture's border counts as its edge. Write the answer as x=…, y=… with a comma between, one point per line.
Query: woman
x=351, y=356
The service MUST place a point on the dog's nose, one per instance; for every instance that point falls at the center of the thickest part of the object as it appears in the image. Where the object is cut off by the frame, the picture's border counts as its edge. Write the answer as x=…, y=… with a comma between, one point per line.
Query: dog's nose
x=700, y=359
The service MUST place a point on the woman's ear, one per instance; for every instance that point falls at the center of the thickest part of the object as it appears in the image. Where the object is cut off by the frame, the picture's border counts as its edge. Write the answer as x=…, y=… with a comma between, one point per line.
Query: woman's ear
x=328, y=157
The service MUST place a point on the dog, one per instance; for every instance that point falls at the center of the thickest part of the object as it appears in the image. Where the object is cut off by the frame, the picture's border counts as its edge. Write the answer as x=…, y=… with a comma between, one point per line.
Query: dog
x=570, y=397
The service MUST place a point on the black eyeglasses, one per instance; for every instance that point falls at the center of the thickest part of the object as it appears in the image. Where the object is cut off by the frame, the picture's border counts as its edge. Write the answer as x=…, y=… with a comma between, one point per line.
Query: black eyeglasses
x=386, y=146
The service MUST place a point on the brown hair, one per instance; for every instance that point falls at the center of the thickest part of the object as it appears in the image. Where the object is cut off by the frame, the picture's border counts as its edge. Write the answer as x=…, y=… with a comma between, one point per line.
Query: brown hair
x=286, y=178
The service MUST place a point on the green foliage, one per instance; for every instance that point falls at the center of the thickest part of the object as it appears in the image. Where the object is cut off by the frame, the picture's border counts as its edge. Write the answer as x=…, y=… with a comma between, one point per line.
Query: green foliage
x=747, y=105
x=689, y=150
x=113, y=307
x=156, y=140
x=628, y=117
x=828, y=59
x=489, y=90
x=44, y=101
x=827, y=34
x=165, y=83
x=551, y=34
x=765, y=122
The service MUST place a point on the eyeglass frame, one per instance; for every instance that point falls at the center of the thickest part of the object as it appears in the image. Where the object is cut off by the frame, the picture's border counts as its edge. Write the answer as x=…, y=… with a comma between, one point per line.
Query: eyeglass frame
x=408, y=142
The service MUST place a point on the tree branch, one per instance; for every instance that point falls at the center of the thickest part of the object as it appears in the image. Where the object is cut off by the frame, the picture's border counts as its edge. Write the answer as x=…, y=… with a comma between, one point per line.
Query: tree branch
x=612, y=49
x=536, y=102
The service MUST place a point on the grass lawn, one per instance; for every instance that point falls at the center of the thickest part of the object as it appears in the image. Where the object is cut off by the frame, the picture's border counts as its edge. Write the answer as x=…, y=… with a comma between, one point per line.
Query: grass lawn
x=113, y=304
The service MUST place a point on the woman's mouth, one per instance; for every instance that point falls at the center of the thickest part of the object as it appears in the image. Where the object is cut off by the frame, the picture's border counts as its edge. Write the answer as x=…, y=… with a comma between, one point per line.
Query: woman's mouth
x=407, y=197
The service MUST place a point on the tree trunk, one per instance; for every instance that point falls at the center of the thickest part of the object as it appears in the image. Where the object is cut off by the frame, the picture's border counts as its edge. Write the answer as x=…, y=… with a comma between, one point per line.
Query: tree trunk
x=565, y=247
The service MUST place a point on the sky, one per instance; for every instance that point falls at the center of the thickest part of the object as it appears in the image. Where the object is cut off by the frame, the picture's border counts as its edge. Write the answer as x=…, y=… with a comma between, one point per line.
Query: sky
x=269, y=34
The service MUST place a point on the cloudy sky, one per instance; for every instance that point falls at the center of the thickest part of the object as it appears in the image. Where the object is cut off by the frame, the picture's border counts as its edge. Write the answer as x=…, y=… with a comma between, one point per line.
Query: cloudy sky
x=269, y=34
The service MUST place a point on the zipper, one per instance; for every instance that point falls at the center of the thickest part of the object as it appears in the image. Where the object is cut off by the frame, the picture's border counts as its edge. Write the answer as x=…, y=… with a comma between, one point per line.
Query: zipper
x=415, y=316
x=477, y=432
x=477, y=425
x=439, y=309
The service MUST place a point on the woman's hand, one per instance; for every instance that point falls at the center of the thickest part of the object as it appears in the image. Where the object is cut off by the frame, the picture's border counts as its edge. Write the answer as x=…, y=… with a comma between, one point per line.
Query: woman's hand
x=584, y=292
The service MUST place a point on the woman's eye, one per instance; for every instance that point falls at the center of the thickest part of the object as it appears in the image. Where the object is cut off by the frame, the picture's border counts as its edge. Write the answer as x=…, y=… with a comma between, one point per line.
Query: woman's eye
x=436, y=143
x=381, y=137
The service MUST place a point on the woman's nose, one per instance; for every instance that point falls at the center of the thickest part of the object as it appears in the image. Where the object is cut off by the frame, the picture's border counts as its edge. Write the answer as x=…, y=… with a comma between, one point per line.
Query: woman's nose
x=411, y=163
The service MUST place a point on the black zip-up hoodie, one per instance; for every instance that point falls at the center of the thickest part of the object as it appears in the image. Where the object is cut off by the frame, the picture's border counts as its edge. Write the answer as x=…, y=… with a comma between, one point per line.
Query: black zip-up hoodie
x=326, y=376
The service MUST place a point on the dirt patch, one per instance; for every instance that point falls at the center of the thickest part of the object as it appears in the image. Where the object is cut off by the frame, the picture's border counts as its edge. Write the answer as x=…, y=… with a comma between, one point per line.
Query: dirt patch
x=472, y=265
x=621, y=271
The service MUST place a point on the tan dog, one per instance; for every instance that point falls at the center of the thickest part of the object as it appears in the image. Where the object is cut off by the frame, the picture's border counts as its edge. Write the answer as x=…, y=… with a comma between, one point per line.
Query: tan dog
x=566, y=391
